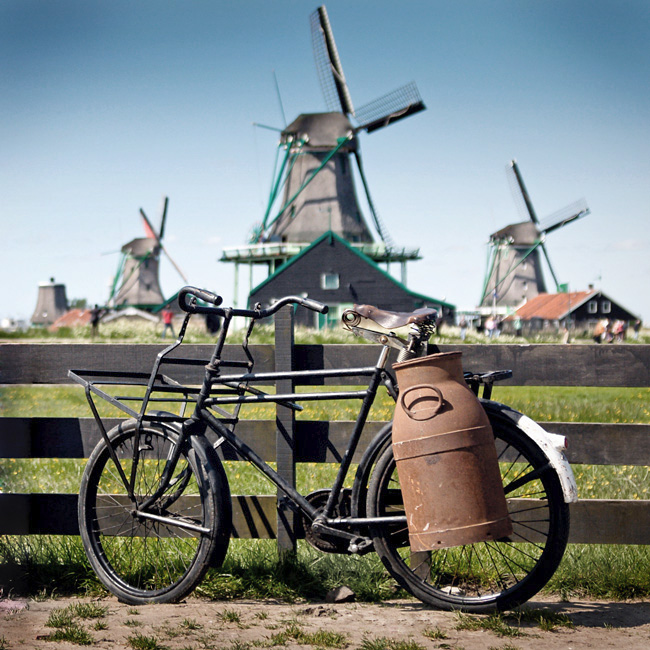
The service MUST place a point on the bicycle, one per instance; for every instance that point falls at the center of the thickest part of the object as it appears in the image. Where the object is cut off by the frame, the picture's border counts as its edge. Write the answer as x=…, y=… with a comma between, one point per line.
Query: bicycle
x=155, y=507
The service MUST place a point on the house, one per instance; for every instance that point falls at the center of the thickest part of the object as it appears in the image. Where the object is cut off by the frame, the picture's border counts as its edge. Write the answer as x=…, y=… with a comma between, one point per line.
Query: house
x=581, y=310
x=334, y=272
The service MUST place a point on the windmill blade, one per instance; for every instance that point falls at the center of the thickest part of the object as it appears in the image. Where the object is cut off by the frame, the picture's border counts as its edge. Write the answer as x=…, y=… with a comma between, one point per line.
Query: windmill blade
x=379, y=224
x=148, y=227
x=519, y=190
x=163, y=219
x=550, y=267
x=178, y=269
x=390, y=108
x=328, y=64
x=565, y=216
x=160, y=244
x=277, y=92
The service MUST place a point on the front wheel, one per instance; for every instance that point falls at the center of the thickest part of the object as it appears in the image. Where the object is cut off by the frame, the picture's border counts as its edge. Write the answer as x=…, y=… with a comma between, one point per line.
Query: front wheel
x=490, y=575
x=160, y=553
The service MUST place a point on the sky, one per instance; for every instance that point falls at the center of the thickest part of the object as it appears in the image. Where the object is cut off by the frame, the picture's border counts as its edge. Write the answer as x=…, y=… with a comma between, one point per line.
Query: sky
x=109, y=106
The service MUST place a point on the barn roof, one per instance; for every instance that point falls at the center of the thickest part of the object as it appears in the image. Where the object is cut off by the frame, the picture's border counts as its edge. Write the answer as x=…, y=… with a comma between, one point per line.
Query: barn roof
x=72, y=318
x=554, y=306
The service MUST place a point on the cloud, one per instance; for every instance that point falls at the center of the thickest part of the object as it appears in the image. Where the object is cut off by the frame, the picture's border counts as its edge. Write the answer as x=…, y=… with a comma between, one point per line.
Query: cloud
x=629, y=245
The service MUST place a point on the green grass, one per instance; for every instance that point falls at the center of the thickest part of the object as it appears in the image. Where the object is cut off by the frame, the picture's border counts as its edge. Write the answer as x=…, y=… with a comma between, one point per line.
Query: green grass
x=143, y=642
x=295, y=634
x=67, y=626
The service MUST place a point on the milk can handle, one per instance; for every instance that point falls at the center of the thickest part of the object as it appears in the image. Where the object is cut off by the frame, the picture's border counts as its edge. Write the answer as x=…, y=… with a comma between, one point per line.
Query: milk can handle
x=428, y=415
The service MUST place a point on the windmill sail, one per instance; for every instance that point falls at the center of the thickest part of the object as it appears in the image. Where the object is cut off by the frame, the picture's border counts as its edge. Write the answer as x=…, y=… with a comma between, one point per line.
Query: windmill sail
x=328, y=64
x=393, y=106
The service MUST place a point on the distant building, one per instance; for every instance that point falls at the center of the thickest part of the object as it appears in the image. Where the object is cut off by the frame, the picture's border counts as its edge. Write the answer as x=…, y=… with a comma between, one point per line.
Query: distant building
x=51, y=303
x=334, y=272
x=580, y=310
x=72, y=318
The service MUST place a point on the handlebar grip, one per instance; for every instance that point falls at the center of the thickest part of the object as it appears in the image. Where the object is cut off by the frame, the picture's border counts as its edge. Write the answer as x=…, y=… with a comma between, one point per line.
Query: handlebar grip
x=192, y=292
x=314, y=305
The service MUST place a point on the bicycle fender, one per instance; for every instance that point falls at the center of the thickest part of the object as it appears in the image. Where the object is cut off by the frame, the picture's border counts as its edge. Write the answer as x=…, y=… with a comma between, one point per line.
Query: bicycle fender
x=551, y=444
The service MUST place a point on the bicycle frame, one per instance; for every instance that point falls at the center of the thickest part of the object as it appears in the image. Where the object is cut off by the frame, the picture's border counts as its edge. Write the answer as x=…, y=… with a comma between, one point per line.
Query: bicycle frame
x=367, y=396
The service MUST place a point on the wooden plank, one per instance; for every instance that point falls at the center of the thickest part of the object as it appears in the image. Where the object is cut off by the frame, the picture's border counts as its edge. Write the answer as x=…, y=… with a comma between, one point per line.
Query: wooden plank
x=562, y=365
x=593, y=521
x=601, y=521
x=38, y=514
x=50, y=437
x=76, y=438
x=315, y=441
x=34, y=363
x=532, y=365
x=56, y=514
x=594, y=443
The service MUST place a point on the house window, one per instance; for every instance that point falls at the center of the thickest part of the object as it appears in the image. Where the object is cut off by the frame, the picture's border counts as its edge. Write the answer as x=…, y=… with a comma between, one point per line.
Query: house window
x=592, y=307
x=329, y=281
x=606, y=306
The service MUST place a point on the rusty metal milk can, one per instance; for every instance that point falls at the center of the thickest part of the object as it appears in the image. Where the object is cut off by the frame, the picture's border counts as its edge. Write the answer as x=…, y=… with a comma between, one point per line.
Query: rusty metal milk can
x=446, y=457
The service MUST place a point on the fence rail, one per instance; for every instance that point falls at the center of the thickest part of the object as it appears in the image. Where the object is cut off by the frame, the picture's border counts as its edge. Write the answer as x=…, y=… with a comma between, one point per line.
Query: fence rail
x=606, y=521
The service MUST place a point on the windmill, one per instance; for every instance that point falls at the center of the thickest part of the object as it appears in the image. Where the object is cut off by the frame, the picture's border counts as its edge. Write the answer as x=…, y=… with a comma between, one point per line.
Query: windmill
x=136, y=282
x=316, y=172
x=51, y=303
x=514, y=266
x=317, y=153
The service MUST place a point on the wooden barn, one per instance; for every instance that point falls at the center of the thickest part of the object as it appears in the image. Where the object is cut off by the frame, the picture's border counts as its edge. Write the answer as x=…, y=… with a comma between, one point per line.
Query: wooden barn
x=580, y=310
x=334, y=272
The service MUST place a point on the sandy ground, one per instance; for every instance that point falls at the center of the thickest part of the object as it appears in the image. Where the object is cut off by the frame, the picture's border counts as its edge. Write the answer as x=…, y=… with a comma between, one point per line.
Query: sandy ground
x=238, y=625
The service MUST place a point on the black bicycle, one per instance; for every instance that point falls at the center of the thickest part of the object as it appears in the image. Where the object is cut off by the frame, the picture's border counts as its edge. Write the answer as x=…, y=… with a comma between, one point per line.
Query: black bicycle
x=155, y=507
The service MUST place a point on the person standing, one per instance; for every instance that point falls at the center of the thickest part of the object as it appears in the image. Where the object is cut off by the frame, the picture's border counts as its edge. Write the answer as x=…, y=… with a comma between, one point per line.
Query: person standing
x=463, y=328
x=168, y=317
x=95, y=316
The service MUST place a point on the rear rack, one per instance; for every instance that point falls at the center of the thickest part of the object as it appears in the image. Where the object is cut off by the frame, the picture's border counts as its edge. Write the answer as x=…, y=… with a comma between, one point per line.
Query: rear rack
x=485, y=379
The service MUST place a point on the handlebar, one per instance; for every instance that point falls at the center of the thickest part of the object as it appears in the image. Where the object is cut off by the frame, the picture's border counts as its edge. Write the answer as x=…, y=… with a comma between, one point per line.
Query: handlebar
x=187, y=301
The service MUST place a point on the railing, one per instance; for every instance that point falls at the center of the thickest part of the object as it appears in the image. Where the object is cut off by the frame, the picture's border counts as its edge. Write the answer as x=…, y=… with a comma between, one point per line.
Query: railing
x=287, y=441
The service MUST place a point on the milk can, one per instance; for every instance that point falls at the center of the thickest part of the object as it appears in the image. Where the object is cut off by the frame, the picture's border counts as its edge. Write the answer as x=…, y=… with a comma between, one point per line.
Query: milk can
x=446, y=457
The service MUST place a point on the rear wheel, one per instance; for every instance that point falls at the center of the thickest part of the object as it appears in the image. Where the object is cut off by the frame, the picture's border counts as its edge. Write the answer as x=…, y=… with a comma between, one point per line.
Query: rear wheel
x=158, y=554
x=491, y=575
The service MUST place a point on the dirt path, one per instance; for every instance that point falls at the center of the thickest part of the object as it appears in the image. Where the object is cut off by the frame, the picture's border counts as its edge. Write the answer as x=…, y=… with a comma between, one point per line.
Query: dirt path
x=239, y=625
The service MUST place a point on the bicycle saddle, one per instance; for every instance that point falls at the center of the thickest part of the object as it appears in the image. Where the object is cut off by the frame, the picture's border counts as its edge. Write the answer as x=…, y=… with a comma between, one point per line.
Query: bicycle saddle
x=391, y=320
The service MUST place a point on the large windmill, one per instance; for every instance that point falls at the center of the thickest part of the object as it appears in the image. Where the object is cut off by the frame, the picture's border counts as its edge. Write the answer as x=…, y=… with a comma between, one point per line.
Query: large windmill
x=314, y=191
x=515, y=272
x=136, y=283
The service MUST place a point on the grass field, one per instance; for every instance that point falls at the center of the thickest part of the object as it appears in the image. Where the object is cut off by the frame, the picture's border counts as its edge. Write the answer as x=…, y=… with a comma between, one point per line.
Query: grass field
x=58, y=564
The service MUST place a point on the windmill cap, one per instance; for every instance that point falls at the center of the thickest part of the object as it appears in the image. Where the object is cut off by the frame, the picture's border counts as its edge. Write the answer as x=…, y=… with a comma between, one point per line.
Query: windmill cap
x=322, y=129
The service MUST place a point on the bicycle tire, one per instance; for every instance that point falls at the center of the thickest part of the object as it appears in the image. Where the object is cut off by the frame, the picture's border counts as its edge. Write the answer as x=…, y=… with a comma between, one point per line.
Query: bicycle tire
x=487, y=576
x=145, y=560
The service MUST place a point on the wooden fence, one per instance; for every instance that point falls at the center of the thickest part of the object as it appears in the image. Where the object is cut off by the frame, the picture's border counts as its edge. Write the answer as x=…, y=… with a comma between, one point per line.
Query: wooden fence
x=286, y=441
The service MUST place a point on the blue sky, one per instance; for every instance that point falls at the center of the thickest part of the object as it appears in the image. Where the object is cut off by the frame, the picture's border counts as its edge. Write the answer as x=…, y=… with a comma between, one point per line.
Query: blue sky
x=106, y=107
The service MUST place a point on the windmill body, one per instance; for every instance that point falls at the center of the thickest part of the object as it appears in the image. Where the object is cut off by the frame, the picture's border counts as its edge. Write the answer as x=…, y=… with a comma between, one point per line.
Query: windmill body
x=328, y=201
x=51, y=303
x=139, y=285
x=515, y=274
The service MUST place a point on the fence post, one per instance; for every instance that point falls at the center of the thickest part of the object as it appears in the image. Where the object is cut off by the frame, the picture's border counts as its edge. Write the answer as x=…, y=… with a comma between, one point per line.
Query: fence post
x=285, y=427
